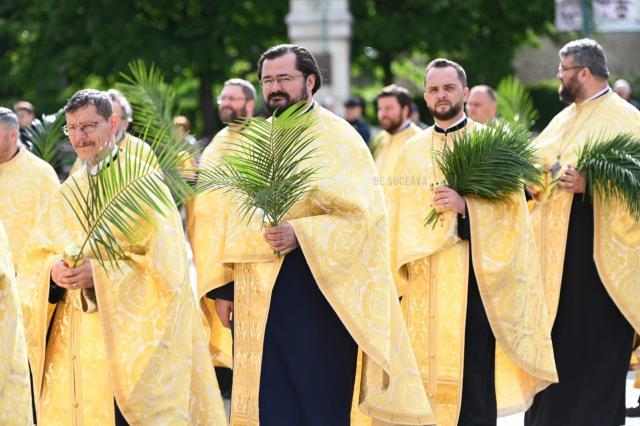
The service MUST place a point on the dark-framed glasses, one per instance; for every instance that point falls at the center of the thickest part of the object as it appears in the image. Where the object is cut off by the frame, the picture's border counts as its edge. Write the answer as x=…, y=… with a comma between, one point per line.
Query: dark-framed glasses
x=88, y=127
x=282, y=80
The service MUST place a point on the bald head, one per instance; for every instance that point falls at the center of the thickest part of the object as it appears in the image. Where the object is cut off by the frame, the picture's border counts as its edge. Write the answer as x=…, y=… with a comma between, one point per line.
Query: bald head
x=481, y=104
x=622, y=88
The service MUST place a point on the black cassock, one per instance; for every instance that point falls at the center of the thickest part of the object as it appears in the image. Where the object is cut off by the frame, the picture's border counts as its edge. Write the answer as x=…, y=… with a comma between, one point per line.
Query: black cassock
x=478, y=405
x=309, y=357
x=591, y=340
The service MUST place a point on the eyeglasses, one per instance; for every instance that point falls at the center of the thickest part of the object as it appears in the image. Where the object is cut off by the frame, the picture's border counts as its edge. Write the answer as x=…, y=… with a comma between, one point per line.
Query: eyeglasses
x=561, y=69
x=221, y=99
x=282, y=80
x=86, y=128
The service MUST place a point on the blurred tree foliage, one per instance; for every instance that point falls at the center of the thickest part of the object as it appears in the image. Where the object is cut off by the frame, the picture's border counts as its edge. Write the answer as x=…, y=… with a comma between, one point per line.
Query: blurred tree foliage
x=51, y=48
x=482, y=35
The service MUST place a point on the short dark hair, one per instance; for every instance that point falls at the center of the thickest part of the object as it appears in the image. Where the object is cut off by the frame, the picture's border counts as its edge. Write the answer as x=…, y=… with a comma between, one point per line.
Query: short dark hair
x=305, y=62
x=400, y=93
x=589, y=54
x=85, y=97
x=444, y=63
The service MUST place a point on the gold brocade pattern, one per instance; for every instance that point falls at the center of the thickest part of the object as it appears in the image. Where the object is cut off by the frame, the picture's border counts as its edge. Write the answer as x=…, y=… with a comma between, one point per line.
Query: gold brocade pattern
x=203, y=244
x=15, y=391
x=616, y=234
x=435, y=263
x=342, y=230
x=387, y=150
x=147, y=324
x=26, y=182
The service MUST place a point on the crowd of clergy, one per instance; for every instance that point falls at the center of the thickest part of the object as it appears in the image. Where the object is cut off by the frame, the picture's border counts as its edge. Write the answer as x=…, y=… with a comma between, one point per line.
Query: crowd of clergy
x=351, y=311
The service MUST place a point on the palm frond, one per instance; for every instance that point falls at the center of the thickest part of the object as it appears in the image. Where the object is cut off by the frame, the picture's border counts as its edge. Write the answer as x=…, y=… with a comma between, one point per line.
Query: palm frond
x=124, y=196
x=514, y=103
x=264, y=163
x=153, y=104
x=612, y=169
x=491, y=163
x=45, y=137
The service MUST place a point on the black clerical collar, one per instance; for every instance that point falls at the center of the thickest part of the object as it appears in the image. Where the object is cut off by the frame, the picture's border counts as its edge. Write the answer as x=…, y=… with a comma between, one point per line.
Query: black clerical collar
x=458, y=126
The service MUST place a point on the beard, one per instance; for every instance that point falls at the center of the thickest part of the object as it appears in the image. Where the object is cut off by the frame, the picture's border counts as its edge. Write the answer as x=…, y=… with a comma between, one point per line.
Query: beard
x=276, y=108
x=453, y=110
x=228, y=114
x=391, y=124
x=569, y=91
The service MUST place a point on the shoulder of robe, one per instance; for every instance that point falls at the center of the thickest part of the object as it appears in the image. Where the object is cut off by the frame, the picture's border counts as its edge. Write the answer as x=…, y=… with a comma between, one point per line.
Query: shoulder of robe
x=40, y=168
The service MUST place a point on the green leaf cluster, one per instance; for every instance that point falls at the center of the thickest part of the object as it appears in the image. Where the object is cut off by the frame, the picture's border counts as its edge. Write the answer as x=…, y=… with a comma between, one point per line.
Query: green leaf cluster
x=123, y=195
x=265, y=165
x=45, y=138
x=153, y=104
x=515, y=106
x=491, y=163
x=612, y=168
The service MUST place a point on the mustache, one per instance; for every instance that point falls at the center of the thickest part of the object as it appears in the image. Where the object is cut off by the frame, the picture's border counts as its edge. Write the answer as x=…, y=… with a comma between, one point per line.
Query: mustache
x=281, y=94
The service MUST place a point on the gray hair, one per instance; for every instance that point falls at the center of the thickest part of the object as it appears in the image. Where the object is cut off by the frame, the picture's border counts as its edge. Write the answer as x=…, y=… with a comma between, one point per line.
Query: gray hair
x=589, y=54
x=486, y=89
x=8, y=117
x=247, y=88
x=86, y=97
x=117, y=96
x=622, y=83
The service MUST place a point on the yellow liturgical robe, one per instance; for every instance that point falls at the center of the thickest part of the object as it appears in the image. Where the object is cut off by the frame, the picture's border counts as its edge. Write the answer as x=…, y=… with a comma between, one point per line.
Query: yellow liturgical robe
x=203, y=244
x=616, y=234
x=144, y=346
x=26, y=182
x=388, y=147
x=15, y=391
x=436, y=263
x=342, y=230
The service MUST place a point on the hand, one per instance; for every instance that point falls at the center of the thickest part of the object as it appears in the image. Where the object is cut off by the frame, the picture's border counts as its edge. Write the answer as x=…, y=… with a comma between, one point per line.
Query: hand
x=281, y=238
x=533, y=190
x=224, y=309
x=573, y=181
x=445, y=198
x=73, y=278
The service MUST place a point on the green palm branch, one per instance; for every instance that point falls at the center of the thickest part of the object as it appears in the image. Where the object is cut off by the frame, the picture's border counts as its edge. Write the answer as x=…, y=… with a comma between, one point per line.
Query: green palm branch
x=514, y=103
x=612, y=169
x=491, y=163
x=45, y=137
x=266, y=167
x=153, y=104
x=124, y=195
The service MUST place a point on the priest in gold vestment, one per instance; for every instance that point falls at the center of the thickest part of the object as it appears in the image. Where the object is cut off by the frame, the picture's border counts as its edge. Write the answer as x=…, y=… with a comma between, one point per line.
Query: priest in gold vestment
x=15, y=391
x=125, y=140
x=589, y=252
x=26, y=182
x=394, y=109
x=237, y=100
x=299, y=318
x=136, y=352
x=473, y=301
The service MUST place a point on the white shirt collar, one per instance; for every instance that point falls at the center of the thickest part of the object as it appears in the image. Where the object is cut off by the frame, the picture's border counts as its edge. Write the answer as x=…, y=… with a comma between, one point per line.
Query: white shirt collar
x=93, y=170
x=597, y=95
